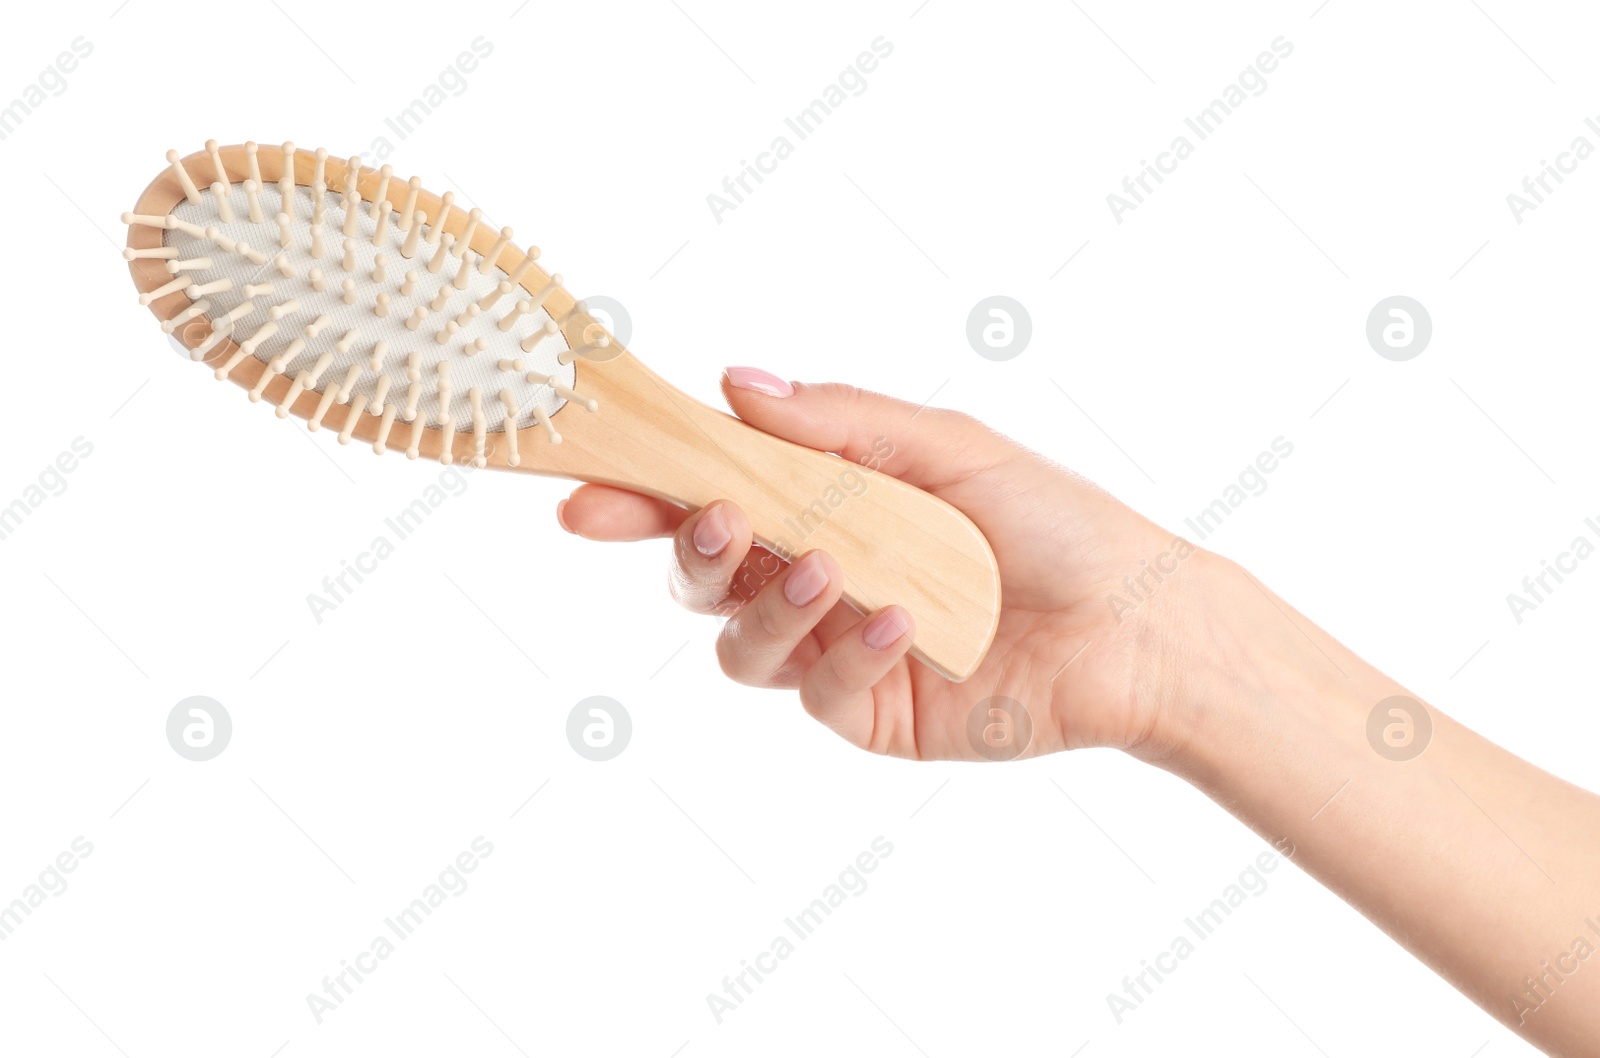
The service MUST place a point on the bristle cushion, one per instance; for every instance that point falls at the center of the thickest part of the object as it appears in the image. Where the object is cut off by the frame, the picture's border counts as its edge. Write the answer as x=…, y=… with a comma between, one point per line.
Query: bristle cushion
x=480, y=368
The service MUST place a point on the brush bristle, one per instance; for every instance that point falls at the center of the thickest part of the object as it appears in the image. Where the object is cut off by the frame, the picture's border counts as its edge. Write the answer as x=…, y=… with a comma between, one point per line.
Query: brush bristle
x=422, y=340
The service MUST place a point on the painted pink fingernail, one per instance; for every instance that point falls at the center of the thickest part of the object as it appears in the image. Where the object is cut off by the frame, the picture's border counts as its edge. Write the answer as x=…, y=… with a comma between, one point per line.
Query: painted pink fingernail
x=806, y=581
x=884, y=630
x=711, y=533
x=760, y=381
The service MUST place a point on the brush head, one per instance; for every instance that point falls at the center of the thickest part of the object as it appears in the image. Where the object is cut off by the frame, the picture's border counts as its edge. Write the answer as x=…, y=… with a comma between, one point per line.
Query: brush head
x=330, y=306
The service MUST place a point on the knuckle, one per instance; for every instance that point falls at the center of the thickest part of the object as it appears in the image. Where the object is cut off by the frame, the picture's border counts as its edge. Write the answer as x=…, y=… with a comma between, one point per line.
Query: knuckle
x=821, y=696
x=676, y=586
x=829, y=674
x=816, y=699
x=681, y=587
x=819, y=689
x=840, y=392
x=769, y=615
x=729, y=658
x=754, y=573
x=734, y=655
x=948, y=420
x=692, y=592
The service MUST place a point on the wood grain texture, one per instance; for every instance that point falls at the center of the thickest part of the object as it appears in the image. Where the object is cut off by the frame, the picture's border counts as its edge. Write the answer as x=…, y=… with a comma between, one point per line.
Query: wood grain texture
x=895, y=543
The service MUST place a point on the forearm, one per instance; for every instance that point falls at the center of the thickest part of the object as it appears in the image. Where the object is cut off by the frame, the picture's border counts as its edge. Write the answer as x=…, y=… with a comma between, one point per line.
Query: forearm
x=1482, y=865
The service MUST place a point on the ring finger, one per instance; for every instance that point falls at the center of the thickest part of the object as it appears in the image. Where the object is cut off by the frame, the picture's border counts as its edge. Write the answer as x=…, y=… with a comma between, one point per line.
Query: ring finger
x=768, y=642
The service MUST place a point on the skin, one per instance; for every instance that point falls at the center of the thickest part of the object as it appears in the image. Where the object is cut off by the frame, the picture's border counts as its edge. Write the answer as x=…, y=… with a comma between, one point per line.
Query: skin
x=1483, y=866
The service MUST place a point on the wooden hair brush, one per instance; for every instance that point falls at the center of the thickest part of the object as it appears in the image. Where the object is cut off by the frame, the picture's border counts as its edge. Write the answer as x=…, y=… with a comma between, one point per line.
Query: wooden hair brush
x=385, y=313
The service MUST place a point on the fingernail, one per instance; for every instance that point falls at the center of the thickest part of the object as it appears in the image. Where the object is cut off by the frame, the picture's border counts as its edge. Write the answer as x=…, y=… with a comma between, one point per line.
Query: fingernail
x=561, y=516
x=884, y=630
x=806, y=581
x=761, y=381
x=711, y=533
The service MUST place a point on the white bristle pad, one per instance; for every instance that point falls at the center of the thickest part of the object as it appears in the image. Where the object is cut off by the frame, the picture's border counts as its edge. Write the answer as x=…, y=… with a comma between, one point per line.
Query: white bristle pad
x=481, y=369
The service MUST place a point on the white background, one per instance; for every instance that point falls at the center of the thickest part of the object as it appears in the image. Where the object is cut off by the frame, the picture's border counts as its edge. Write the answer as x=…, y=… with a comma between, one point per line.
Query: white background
x=370, y=749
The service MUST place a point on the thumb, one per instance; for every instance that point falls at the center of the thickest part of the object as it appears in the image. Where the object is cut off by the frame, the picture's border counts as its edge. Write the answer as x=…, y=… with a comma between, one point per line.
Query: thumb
x=922, y=446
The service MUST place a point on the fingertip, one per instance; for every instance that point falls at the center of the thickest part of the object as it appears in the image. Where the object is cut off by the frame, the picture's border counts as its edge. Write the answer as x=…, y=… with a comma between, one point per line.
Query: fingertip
x=839, y=689
x=756, y=380
x=713, y=537
x=809, y=579
x=707, y=550
x=710, y=533
x=600, y=512
x=891, y=627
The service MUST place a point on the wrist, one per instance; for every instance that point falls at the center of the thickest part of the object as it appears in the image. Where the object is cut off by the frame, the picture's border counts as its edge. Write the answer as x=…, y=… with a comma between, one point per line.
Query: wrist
x=1235, y=669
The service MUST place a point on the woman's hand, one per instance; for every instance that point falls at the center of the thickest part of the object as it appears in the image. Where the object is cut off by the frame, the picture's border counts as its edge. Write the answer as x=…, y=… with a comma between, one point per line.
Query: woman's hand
x=1115, y=634
x=1089, y=657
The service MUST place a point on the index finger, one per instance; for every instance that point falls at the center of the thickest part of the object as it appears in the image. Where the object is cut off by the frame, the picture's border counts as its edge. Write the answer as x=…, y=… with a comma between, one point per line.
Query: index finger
x=600, y=512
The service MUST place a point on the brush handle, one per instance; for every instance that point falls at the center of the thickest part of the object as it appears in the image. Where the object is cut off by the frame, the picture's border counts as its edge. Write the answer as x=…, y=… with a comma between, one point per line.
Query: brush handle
x=894, y=542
